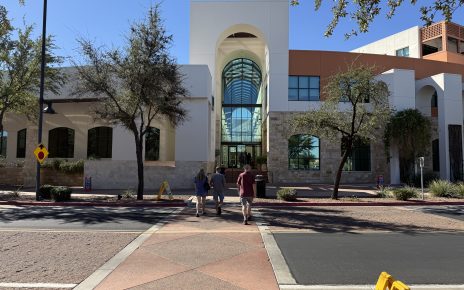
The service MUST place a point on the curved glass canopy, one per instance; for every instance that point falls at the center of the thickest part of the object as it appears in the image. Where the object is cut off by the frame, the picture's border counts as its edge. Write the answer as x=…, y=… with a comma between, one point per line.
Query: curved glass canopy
x=241, y=112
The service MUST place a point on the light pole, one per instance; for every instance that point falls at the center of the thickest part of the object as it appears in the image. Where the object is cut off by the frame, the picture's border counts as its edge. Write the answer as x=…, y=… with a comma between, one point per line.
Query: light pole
x=41, y=97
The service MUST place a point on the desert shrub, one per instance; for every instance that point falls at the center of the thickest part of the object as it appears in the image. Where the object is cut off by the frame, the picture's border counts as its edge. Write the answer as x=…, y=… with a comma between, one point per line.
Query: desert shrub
x=441, y=188
x=45, y=191
x=72, y=166
x=61, y=193
x=404, y=193
x=129, y=193
x=384, y=192
x=458, y=190
x=287, y=194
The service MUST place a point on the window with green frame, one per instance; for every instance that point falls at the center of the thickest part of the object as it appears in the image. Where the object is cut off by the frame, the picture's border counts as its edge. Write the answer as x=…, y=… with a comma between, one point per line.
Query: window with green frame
x=21, y=144
x=3, y=142
x=360, y=157
x=303, y=152
x=303, y=88
x=152, y=144
x=61, y=143
x=100, y=142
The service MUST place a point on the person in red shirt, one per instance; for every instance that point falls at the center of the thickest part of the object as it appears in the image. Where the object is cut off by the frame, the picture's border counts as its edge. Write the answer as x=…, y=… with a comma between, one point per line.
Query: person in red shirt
x=246, y=187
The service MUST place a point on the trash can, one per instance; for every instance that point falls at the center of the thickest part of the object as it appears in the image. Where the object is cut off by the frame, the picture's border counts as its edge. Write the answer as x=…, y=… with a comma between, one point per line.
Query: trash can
x=260, y=186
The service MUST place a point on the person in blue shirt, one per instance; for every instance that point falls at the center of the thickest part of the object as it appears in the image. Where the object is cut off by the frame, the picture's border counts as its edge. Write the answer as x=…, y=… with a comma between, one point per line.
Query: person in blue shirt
x=201, y=183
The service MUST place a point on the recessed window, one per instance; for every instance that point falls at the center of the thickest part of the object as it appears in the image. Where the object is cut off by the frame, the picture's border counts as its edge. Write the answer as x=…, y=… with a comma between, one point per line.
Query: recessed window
x=403, y=51
x=3, y=141
x=152, y=144
x=61, y=143
x=434, y=100
x=303, y=152
x=303, y=88
x=21, y=144
x=100, y=142
x=360, y=157
x=435, y=155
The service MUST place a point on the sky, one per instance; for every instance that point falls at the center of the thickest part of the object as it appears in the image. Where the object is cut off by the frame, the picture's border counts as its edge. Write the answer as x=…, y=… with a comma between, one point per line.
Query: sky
x=106, y=22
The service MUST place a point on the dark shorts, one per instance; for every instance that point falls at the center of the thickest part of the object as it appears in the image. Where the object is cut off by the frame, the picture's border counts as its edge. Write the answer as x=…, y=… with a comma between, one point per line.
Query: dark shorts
x=246, y=200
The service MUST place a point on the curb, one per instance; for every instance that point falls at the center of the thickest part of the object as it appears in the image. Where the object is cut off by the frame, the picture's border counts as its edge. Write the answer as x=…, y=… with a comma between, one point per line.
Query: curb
x=406, y=203
x=100, y=204
x=189, y=203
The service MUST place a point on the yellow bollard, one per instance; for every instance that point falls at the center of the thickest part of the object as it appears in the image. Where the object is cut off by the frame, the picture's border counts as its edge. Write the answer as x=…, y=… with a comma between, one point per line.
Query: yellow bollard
x=162, y=188
x=398, y=285
x=384, y=282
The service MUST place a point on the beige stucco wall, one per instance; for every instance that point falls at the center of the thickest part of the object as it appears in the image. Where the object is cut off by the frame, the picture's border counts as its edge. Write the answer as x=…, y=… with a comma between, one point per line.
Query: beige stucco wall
x=108, y=174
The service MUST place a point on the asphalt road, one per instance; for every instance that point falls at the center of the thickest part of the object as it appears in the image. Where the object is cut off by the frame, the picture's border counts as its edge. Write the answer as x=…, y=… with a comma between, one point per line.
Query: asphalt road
x=348, y=258
x=80, y=218
x=450, y=211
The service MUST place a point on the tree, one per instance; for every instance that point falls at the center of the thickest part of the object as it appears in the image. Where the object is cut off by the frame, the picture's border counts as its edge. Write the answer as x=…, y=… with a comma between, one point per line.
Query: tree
x=410, y=131
x=139, y=82
x=364, y=12
x=355, y=108
x=20, y=57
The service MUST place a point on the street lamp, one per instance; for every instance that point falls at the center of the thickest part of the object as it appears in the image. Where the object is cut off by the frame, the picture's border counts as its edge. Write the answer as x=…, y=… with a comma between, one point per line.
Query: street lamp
x=41, y=97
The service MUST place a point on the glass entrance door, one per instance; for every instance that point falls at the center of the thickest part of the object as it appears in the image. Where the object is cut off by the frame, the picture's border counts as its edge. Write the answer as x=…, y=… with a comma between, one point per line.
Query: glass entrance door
x=232, y=154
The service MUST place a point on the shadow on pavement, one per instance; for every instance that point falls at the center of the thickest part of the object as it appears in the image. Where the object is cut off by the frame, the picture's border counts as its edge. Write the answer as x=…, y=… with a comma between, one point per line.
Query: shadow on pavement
x=85, y=215
x=331, y=220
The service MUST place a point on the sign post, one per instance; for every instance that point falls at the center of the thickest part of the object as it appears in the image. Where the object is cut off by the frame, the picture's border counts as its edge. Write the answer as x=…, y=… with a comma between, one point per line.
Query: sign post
x=421, y=164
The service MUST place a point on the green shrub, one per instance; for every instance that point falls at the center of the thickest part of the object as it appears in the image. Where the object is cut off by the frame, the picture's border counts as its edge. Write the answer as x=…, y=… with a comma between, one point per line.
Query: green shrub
x=72, y=166
x=45, y=191
x=458, y=190
x=61, y=193
x=129, y=193
x=65, y=166
x=441, y=188
x=404, y=193
x=287, y=194
x=384, y=192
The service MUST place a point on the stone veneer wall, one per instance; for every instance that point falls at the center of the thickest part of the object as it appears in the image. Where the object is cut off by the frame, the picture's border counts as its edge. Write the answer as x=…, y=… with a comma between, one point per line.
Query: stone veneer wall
x=53, y=177
x=11, y=175
x=330, y=155
x=113, y=174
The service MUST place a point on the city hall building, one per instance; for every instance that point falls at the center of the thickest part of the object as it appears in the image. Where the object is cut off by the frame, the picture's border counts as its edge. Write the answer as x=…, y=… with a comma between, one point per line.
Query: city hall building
x=244, y=86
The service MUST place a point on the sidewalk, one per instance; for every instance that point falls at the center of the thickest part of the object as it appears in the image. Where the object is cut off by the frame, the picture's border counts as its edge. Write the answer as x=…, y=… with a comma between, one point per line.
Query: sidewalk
x=208, y=252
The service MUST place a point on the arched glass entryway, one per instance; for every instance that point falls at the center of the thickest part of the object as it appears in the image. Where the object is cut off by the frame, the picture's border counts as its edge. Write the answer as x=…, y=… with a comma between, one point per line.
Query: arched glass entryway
x=241, y=113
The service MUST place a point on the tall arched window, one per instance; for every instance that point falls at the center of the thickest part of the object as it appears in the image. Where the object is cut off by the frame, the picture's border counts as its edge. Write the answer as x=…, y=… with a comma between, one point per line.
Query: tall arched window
x=303, y=152
x=21, y=144
x=100, y=142
x=152, y=144
x=3, y=142
x=241, y=113
x=61, y=143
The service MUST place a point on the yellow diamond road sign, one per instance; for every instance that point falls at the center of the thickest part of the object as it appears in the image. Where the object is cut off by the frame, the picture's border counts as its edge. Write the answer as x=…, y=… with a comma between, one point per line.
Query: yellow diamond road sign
x=41, y=153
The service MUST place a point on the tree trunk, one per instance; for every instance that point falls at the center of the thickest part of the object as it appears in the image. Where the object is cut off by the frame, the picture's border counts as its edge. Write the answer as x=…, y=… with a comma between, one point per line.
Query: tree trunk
x=340, y=169
x=139, y=150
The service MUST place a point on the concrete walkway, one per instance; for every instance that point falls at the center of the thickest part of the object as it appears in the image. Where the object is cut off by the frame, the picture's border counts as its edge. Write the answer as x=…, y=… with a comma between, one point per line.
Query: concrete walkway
x=206, y=252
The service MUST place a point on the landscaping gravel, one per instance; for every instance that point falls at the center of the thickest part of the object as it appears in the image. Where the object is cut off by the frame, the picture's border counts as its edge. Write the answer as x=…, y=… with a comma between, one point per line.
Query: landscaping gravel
x=56, y=257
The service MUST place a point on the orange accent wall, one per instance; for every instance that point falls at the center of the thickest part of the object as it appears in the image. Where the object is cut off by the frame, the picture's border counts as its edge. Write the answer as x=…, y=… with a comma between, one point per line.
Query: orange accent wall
x=326, y=63
x=446, y=56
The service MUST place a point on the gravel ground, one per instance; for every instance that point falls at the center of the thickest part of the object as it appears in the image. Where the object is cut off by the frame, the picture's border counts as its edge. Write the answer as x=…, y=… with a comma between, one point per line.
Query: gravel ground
x=56, y=257
x=353, y=219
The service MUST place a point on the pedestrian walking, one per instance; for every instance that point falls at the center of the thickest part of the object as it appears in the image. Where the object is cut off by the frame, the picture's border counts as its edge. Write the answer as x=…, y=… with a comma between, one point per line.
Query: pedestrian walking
x=246, y=187
x=201, y=190
x=218, y=183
